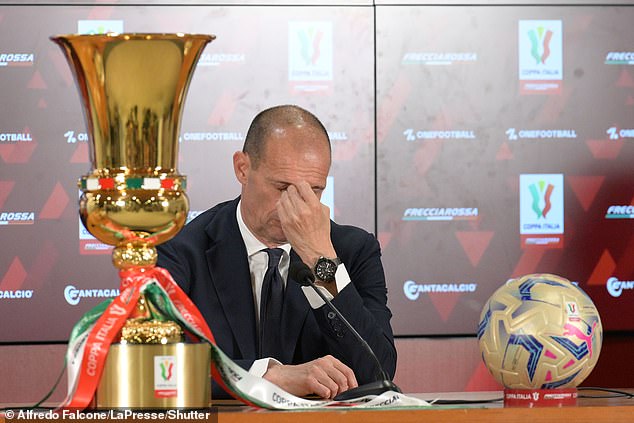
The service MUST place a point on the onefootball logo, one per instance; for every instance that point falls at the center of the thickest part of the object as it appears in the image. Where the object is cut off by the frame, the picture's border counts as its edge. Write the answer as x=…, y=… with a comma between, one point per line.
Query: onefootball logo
x=615, y=286
x=412, y=290
x=415, y=135
x=540, y=134
x=211, y=136
x=73, y=137
x=74, y=295
x=614, y=133
x=15, y=137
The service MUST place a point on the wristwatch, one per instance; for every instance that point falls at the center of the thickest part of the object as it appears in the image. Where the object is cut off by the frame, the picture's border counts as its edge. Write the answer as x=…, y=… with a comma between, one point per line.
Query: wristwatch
x=325, y=268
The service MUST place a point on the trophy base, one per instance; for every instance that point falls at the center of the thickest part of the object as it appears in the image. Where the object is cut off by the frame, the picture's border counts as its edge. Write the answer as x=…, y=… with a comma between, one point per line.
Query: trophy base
x=529, y=398
x=155, y=376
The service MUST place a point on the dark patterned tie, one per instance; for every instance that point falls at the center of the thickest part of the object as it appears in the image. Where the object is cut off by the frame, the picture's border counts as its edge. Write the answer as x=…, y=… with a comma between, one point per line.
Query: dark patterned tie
x=271, y=307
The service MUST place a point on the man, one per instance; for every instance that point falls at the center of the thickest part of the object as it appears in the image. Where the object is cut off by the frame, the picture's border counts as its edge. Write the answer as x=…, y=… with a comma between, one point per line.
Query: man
x=221, y=262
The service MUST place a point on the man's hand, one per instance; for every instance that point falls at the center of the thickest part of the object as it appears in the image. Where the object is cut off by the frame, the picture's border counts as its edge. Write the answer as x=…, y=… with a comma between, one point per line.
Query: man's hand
x=306, y=223
x=325, y=376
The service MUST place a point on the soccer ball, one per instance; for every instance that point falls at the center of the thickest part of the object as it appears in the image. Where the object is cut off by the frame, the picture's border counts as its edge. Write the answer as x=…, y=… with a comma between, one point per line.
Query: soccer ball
x=540, y=332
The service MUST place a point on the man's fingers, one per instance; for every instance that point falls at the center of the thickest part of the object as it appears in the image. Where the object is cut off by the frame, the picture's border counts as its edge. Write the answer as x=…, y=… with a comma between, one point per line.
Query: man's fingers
x=306, y=193
x=340, y=374
x=347, y=372
x=292, y=199
x=322, y=383
x=325, y=376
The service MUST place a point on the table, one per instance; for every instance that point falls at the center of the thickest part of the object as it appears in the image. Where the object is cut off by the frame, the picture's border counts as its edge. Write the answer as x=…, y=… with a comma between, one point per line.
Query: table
x=608, y=410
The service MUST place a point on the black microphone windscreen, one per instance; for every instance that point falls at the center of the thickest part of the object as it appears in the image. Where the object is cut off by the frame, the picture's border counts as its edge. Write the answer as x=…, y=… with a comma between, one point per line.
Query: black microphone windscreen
x=299, y=272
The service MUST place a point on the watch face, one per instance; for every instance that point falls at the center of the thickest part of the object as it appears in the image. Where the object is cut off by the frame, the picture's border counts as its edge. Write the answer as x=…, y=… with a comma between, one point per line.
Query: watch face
x=325, y=269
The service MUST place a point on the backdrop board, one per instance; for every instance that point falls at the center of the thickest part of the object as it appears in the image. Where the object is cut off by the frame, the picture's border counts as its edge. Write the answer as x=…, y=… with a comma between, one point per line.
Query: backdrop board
x=263, y=56
x=505, y=143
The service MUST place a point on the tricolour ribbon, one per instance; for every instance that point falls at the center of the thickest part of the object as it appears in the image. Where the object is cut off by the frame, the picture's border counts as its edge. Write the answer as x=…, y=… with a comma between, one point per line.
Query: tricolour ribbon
x=92, y=336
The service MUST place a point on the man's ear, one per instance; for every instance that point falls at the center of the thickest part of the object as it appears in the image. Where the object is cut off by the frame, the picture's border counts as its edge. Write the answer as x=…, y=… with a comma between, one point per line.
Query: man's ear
x=241, y=166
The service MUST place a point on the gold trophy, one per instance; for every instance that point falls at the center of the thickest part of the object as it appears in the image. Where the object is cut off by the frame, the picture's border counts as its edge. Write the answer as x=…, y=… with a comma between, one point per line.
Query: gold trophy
x=133, y=88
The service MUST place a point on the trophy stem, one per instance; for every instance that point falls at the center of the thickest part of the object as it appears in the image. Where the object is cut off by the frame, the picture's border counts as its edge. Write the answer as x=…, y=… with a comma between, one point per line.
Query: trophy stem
x=134, y=256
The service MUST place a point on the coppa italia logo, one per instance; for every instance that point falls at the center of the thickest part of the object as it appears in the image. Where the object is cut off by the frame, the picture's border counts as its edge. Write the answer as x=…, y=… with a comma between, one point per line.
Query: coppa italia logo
x=93, y=26
x=166, y=370
x=541, y=194
x=572, y=309
x=542, y=210
x=310, y=55
x=540, y=56
x=165, y=376
x=310, y=39
x=540, y=39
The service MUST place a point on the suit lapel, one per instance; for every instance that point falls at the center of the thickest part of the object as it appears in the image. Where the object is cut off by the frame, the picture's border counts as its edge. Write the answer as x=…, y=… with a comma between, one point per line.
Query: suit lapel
x=229, y=270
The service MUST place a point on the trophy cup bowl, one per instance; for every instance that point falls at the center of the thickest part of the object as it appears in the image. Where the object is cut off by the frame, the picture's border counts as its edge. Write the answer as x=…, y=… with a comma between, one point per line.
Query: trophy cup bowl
x=133, y=89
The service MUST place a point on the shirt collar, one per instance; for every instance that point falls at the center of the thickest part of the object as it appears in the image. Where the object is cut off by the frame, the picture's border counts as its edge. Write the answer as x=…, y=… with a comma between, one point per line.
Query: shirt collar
x=253, y=244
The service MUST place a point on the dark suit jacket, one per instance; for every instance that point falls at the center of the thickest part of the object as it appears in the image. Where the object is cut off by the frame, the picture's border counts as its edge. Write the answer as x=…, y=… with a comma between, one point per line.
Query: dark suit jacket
x=209, y=261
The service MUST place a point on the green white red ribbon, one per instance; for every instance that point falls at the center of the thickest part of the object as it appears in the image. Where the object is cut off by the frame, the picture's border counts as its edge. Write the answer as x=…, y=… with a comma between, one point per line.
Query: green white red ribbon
x=92, y=336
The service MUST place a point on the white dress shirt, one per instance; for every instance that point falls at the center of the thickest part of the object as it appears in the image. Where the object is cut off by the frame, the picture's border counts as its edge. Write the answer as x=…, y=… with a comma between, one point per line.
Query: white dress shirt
x=258, y=263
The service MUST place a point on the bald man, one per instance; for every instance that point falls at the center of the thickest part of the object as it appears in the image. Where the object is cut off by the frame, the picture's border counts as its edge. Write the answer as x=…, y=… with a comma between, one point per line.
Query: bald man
x=270, y=325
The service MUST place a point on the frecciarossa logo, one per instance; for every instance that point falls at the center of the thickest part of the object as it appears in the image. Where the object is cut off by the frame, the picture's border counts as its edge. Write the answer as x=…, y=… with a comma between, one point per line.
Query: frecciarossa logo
x=16, y=59
x=17, y=218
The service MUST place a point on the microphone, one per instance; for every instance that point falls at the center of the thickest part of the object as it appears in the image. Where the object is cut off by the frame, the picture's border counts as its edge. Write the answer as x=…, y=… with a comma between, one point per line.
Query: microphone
x=299, y=272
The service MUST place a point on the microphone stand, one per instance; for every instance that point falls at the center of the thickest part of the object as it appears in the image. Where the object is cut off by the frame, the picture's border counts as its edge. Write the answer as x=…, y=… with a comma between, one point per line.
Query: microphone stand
x=302, y=273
